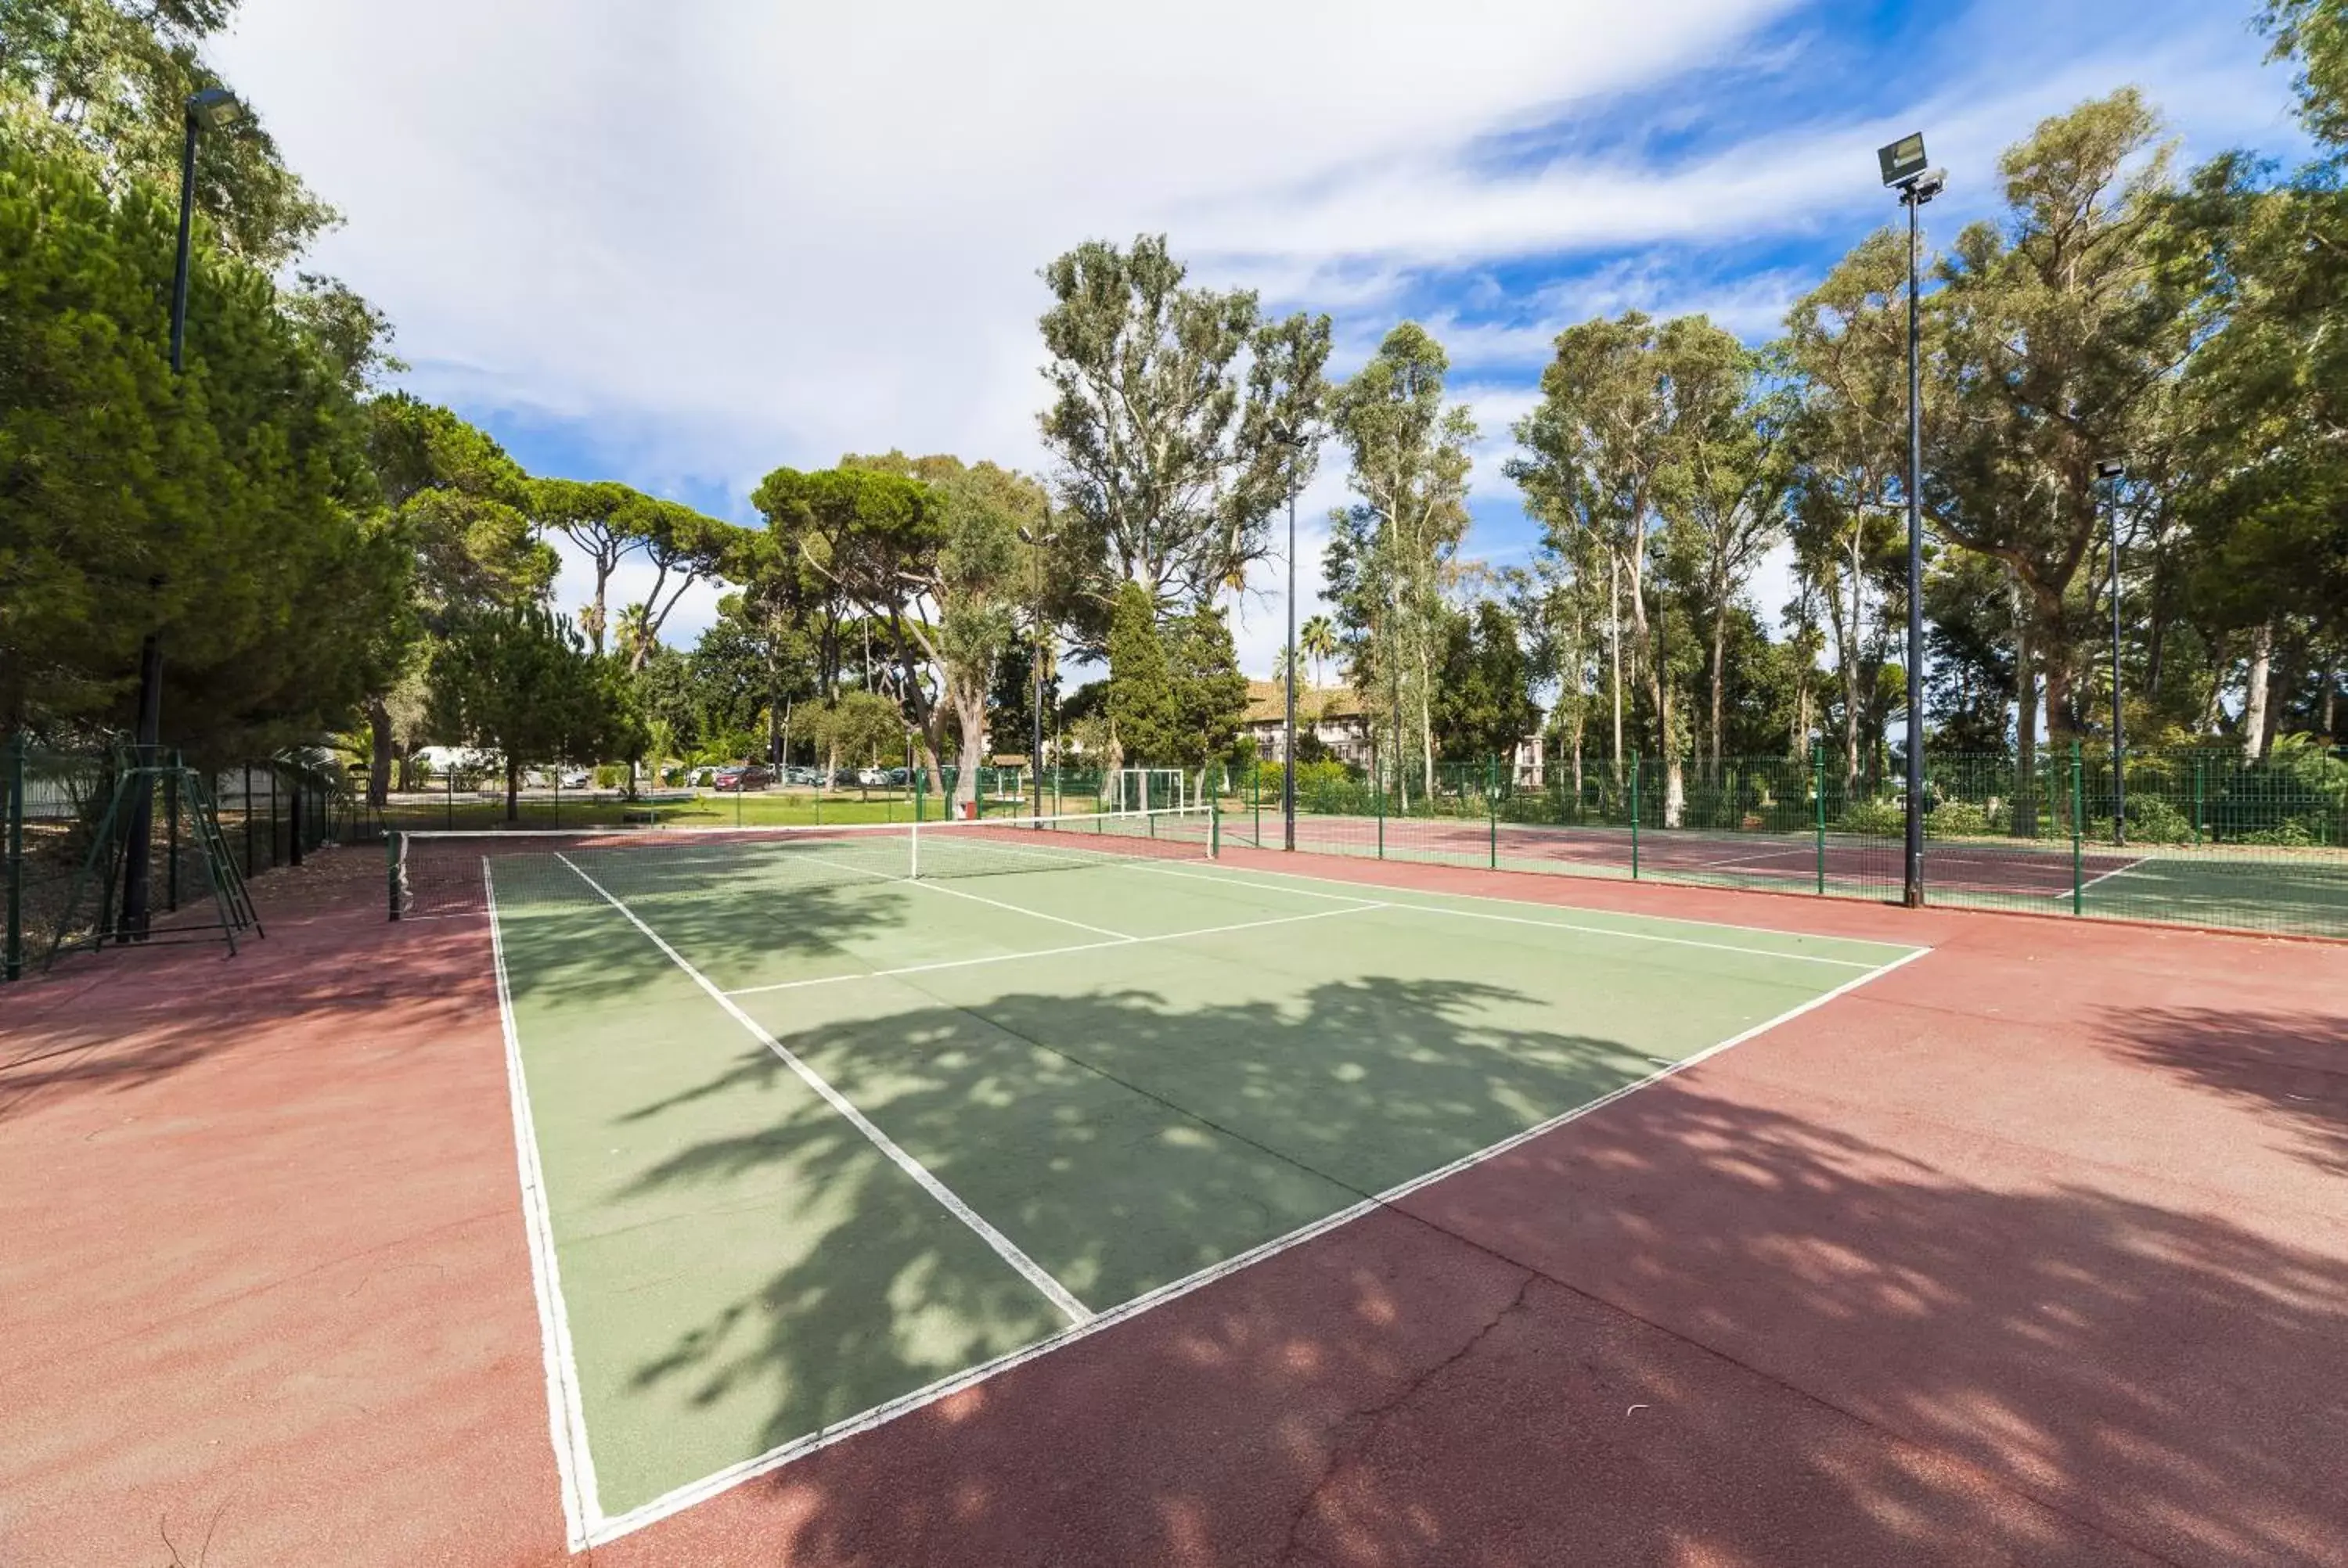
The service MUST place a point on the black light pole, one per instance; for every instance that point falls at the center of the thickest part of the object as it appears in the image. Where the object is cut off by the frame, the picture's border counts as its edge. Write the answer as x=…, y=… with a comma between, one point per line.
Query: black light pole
x=2109, y=473
x=211, y=109
x=1288, y=436
x=1904, y=167
x=1035, y=724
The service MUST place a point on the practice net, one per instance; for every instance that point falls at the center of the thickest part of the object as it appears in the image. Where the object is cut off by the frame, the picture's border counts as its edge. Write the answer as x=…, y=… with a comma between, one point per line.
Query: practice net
x=442, y=873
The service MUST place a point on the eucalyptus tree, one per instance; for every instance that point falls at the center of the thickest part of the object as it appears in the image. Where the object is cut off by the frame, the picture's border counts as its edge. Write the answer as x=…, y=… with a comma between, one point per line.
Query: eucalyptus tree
x=1726, y=478
x=1597, y=452
x=1391, y=551
x=1164, y=478
x=2064, y=327
x=1846, y=344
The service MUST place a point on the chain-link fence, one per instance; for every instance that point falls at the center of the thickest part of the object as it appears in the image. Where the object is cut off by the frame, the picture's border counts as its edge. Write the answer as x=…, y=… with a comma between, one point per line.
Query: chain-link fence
x=54, y=802
x=2195, y=836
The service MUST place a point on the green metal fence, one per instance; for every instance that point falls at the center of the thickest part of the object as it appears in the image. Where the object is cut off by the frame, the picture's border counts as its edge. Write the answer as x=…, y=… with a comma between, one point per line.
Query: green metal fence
x=2204, y=838
x=271, y=812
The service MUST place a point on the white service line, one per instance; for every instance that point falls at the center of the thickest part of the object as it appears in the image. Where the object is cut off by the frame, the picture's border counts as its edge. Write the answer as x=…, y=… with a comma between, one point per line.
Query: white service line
x=1542, y=925
x=697, y=1492
x=1051, y=952
x=1029, y=1269
x=2114, y=871
x=931, y=883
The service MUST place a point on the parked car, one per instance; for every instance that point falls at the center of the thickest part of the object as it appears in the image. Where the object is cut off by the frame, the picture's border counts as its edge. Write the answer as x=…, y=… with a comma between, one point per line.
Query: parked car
x=574, y=778
x=742, y=776
x=803, y=776
x=870, y=778
x=897, y=778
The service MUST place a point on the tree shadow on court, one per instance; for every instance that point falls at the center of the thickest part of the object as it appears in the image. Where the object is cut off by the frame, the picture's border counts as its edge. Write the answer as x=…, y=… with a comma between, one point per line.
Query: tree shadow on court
x=2291, y=1067
x=1693, y=1327
x=728, y=916
x=1121, y=1141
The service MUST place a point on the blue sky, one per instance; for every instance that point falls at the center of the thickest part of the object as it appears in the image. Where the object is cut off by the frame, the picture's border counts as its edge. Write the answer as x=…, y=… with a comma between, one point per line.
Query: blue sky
x=684, y=245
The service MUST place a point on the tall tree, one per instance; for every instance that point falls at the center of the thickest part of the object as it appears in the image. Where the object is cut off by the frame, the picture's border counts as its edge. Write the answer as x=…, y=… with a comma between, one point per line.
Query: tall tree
x=1390, y=552
x=520, y=681
x=1162, y=480
x=2064, y=328
x=601, y=520
x=1145, y=712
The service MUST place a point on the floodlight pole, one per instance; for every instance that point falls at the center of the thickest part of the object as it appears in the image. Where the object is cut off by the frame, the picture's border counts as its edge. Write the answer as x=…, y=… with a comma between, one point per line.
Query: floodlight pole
x=216, y=108
x=1915, y=190
x=2110, y=474
x=1288, y=745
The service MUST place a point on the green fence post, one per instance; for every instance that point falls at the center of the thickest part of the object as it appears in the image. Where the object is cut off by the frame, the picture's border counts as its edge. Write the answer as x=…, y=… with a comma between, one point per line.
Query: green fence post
x=1255, y=791
x=2197, y=799
x=391, y=870
x=12, y=813
x=1492, y=808
x=1818, y=794
x=273, y=805
x=1378, y=787
x=1214, y=824
x=1635, y=818
x=171, y=836
x=2078, y=827
x=920, y=787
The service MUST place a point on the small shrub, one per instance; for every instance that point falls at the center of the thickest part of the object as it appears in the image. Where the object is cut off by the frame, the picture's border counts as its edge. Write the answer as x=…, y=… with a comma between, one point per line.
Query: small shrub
x=612, y=776
x=1874, y=818
x=1957, y=819
x=2291, y=832
x=2153, y=820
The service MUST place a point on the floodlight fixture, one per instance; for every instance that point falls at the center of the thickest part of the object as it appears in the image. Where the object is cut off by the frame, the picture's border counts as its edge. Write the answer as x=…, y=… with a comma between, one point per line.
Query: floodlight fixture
x=215, y=109
x=1904, y=159
x=2110, y=468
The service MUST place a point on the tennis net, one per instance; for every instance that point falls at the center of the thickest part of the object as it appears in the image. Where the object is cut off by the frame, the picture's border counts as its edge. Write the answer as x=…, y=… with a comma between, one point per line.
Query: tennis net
x=441, y=873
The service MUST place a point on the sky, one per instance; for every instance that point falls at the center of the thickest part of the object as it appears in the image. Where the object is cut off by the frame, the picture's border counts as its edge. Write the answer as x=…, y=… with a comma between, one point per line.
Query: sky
x=684, y=245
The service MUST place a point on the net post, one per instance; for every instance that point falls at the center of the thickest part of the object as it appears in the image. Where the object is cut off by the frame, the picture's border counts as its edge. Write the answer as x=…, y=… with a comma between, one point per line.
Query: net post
x=1214, y=824
x=391, y=870
x=1634, y=816
x=1818, y=795
x=2078, y=828
x=913, y=851
x=1378, y=787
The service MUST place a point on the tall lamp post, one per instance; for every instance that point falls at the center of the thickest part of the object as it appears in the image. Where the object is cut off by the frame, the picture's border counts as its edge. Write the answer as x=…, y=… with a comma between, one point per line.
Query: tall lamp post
x=2110, y=472
x=1907, y=170
x=1288, y=436
x=211, y=109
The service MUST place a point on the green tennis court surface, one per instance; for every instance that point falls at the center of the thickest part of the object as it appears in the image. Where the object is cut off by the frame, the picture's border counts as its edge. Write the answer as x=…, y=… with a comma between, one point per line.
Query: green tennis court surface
x=805, y=1139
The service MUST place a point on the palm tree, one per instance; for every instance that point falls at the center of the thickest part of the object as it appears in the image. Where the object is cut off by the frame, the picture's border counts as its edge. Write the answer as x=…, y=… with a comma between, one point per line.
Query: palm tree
x=1281, y=672
x=1317, y=641
x=631, y=633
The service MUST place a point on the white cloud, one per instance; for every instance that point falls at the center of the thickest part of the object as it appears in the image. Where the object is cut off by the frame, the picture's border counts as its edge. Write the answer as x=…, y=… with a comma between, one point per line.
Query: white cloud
x=713, y=239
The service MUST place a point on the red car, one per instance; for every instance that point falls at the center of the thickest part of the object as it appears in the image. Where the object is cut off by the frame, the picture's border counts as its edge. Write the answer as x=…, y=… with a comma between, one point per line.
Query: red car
x=747, y=775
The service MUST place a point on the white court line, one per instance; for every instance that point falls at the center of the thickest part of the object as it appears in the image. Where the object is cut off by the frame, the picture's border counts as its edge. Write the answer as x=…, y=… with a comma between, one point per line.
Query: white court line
x=1029, y=1269
x=693, y=1492
x=2116, y=871
x=1052, y=952
x=1801, y=849
x=1541, y=924
x=933, y=885
x=566, y=1416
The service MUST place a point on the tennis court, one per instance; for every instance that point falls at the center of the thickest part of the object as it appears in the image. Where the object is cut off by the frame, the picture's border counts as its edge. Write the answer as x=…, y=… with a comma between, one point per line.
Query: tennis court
x=818, y=1127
